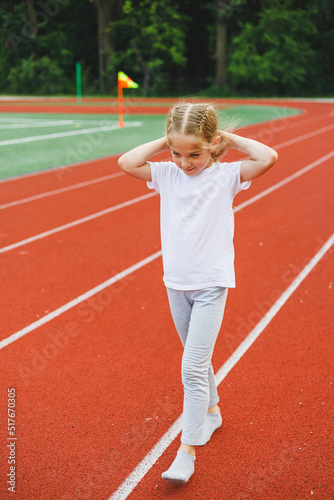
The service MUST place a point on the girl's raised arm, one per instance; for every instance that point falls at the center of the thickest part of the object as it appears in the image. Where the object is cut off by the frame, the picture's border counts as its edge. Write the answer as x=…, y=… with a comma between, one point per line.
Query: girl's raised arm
x=134, y=162
x=262, y=157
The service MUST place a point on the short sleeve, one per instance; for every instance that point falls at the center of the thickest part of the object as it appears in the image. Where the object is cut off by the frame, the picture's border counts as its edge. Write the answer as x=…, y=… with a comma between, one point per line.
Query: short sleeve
x=153, y=184
x=159, y=172
x=237, y=185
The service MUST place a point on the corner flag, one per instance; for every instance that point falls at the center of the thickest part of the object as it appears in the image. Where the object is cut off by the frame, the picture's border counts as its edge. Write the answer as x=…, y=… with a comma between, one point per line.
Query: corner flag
x=125, y=82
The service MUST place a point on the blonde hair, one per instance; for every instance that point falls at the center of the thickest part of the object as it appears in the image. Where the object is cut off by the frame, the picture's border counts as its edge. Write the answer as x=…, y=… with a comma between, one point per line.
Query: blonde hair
x=198, y=120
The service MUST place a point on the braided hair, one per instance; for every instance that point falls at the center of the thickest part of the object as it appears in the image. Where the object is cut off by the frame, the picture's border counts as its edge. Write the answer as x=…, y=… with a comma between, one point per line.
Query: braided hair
x=198, y=120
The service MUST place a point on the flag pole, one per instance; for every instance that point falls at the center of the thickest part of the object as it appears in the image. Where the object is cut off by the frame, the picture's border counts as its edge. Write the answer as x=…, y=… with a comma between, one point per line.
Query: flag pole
x=120, y=106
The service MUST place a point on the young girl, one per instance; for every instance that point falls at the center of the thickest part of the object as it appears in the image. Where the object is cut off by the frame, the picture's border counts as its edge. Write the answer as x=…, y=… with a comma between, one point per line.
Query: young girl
x=197, y=226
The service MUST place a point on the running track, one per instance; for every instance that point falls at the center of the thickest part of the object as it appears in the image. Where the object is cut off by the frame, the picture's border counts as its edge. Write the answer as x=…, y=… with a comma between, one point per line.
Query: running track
x=98, y=379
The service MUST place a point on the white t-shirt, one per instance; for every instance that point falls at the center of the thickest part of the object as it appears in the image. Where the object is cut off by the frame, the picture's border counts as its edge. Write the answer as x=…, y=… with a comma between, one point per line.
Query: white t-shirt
x=197, y=223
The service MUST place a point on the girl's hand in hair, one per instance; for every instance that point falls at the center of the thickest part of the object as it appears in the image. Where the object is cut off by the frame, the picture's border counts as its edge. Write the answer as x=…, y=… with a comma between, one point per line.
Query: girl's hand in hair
x=223, y=146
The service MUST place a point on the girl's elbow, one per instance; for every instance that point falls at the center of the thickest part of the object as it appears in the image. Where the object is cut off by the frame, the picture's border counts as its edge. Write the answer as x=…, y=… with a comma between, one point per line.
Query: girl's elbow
x=122, y=164
x=272, y=158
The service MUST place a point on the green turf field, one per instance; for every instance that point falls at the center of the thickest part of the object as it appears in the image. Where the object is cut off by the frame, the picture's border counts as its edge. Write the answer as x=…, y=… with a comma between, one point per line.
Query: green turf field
x=39, y=141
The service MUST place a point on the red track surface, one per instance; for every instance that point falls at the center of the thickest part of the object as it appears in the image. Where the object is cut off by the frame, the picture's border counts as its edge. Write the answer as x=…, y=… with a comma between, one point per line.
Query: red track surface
x=99, y=385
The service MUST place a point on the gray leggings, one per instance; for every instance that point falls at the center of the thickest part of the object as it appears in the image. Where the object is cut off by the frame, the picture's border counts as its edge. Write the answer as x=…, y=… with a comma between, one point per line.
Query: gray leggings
x=197, y=315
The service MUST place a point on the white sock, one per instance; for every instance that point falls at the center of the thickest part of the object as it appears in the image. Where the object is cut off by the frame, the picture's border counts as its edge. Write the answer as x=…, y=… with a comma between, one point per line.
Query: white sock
x=181, y=469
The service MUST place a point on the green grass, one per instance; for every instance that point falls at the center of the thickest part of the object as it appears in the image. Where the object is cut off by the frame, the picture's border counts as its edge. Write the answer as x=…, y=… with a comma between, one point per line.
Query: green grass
x=17, y=159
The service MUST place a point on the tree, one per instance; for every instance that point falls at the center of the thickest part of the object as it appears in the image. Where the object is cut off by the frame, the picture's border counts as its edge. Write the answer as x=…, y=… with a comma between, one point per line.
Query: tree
x=107, y=12
x=33, y=56
x=150, y=39
x=274, y=56
x=223, y=11
x=323, y=72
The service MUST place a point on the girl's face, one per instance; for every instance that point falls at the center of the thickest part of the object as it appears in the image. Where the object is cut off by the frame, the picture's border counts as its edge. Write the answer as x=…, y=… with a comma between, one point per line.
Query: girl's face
x=188, y=155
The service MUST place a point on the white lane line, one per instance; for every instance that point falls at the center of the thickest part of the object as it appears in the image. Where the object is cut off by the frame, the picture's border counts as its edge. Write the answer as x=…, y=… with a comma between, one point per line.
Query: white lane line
x=303, y=137
x=76, y=222
x=61, y=190
x=275, y=127
x=144, y=197
x=283, y=182
x=67, y=134
x=78, y=300
x=312, y=119
x=56, y=170
x=155, y=453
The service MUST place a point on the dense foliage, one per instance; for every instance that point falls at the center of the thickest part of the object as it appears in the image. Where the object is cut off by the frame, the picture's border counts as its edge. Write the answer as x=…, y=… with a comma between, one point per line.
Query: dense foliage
x=232, y=47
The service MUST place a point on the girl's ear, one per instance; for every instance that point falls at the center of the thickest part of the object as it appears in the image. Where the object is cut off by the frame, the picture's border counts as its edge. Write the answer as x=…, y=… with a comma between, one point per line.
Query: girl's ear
x=216, y=140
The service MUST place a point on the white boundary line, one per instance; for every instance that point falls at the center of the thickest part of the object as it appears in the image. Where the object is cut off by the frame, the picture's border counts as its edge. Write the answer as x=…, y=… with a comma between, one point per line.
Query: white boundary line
x=155, y=453
x=76, y=222
x=283, y=182
x=78, y=300
x=67, y=134
x=61, y=190
x=39, y=236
